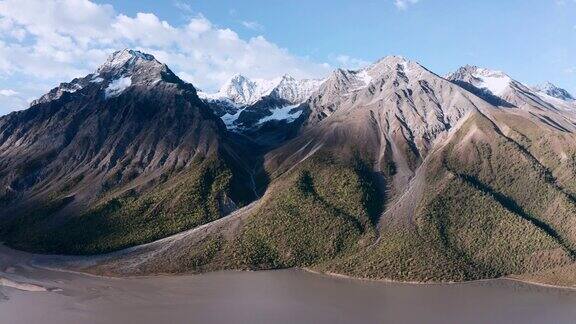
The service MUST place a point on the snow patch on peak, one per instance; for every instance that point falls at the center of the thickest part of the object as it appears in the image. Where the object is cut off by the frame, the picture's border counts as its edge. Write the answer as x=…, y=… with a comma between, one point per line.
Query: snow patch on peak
x=546, y=86
x=120, y=57
x=73, y=87
x=397, y=66
x=497, y=82
x=348, y=81
x=360, y=79
x=393, y=63
x=229, y=119
x=282, y=113
x=125, y=57
x=117, y=86
x=364, y=77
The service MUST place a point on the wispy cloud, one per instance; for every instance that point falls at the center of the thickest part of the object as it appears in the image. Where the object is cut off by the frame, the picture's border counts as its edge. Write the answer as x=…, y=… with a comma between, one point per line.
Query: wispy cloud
x=8, y=92
x=11, y=100
x=253, y=25
x=348, y=62
x=183, y=6
x=564, y=2
x=404, y=4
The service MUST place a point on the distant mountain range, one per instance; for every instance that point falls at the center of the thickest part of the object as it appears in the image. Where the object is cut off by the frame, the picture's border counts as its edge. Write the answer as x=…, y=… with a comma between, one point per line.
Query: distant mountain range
x=387, y=172
x=252, y=106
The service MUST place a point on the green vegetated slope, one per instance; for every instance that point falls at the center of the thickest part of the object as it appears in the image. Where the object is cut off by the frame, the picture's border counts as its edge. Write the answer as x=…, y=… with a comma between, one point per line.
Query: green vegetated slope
x=554, y=149
x=185, y=199
x=489, y=209
x=322, y=209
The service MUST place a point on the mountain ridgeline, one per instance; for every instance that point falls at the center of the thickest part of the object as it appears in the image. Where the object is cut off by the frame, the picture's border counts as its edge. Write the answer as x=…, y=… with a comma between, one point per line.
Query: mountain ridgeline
x=387, y=172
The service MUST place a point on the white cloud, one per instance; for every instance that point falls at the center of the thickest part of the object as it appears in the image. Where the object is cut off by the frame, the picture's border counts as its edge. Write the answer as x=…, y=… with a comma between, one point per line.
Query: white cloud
x=10, y=100
x=403, y=4
x=8, y=92
x=51, y=41
x=199, y=25
x=253, y=25
x=348, y=62
x=145, y=30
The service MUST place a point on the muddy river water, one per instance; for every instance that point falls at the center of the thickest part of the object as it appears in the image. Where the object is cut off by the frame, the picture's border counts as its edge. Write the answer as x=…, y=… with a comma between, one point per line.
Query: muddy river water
x=29, y=294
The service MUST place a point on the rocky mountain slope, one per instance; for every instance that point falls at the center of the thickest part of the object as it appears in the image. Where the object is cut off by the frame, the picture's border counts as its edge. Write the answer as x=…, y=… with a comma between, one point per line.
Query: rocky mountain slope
x=388, y=172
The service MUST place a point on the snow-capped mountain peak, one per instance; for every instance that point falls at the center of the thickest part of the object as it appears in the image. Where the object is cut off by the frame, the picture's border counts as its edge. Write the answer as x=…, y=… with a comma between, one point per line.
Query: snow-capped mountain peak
x=553, y=91
x=140, y=67
x=125, y=59
x=239, y=89
x=244, y=91
x=119, y=72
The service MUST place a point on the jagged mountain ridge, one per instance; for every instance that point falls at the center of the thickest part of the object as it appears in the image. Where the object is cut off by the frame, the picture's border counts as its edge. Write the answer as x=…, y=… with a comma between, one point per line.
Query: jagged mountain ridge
x=243, y=91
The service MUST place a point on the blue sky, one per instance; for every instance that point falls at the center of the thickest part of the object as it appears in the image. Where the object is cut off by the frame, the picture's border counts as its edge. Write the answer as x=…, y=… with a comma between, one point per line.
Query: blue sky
x=43, y=42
